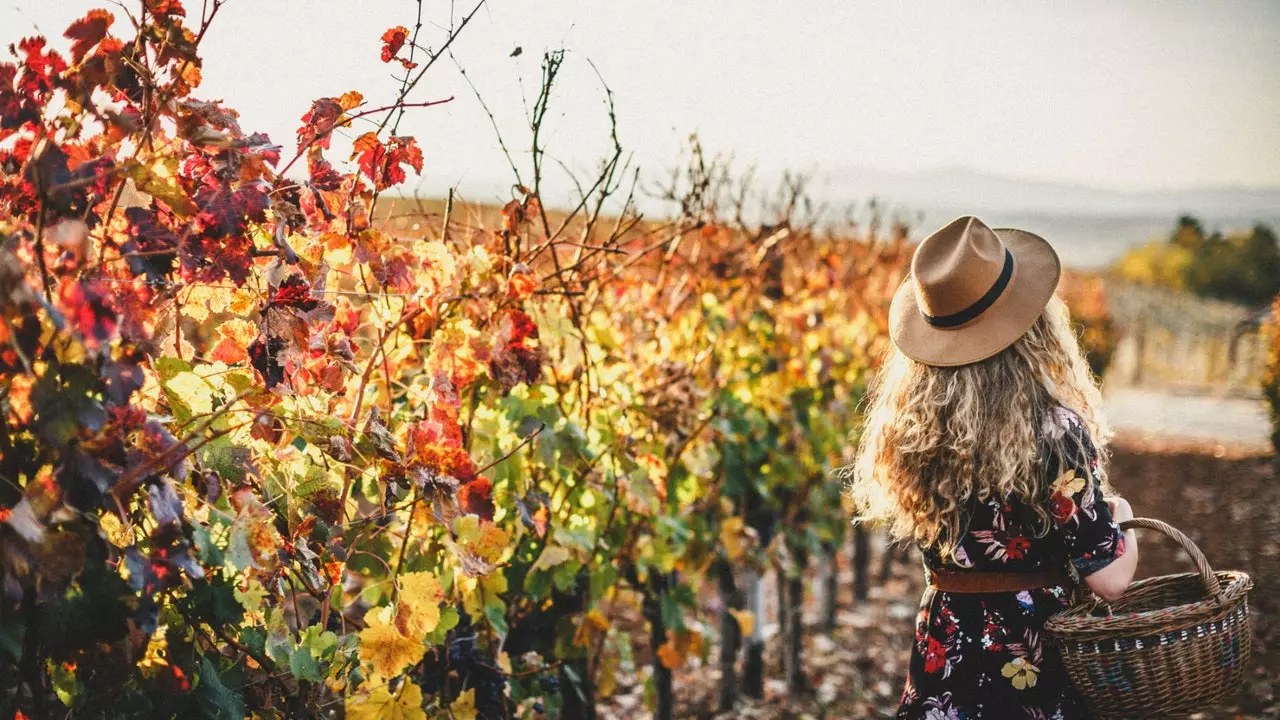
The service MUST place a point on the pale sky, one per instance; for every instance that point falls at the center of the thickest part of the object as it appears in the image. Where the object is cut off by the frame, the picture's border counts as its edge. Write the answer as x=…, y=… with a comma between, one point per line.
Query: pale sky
x=1138, y=94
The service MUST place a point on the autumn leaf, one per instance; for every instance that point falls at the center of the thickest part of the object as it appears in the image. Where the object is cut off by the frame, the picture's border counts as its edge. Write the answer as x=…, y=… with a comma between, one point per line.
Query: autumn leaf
x=384, y=649
x=593, y=625
x=453, y=353
x=88, y=311
x=383, y=163
x=236, y=335
x=381, y=703
x=479, y=544
x=255, y=542
x=746, y=621
x=736, y=537
x=152, y=248
x=392, y=41
x=535, y=511
x=513, y=215
x=476, y=498
x=551, y=556
x=350, y=100
x=464, y=706
x=679, y=647
x=520, y=286
x=87, y=32
x=418, y=604
x=318, y=123
x=512, y=359
x=159, y=179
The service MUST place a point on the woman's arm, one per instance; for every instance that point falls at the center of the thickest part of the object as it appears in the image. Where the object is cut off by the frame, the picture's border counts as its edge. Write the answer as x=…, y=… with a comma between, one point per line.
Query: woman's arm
x=1111, y=581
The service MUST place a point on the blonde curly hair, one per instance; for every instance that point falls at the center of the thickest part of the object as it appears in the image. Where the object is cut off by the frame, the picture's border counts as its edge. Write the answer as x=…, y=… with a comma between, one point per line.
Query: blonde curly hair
x=935, y=438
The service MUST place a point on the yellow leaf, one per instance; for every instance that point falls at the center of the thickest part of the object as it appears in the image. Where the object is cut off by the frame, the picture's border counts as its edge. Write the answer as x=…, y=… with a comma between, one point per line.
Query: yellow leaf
x=504, y=662
x=593, y=623
x=418, y=610
x=479, y=545
x=735, y=537
x=464, y=706
x=191, y=75
x=746, y=621
x=154, y=658
x=385, y=649
x=382, y=704
x=114, y=531
x=192, y=390
x=350, y=100
x=551, y=556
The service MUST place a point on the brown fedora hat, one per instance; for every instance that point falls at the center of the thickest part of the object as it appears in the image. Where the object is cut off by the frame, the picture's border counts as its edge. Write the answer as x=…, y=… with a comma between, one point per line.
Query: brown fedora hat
x=972, y=292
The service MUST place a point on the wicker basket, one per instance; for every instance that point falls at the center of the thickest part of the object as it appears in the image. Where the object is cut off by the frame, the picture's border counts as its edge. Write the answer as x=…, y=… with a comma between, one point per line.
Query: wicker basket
x=1173, y=645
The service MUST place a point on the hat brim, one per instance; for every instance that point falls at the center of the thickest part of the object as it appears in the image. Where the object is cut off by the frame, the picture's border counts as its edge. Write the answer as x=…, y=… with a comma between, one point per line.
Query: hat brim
x=1037, y=270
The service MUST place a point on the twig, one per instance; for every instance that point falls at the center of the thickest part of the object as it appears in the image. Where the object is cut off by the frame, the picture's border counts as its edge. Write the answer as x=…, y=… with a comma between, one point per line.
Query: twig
x=513, y=450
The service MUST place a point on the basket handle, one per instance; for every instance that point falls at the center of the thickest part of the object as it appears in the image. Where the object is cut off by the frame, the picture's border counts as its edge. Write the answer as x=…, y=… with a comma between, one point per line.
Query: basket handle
x=1211, y=585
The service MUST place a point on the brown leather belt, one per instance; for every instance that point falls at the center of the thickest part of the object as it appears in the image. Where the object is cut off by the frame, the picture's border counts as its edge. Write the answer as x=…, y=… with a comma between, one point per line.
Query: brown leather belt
x=996, y=582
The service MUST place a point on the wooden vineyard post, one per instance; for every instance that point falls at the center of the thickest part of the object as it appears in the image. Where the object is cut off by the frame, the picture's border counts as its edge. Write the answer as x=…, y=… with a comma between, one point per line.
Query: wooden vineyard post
x=793, y=633
x=730, y=637
x=753, y=667
x=861, y=551
x=830, y=586
x=664, y=708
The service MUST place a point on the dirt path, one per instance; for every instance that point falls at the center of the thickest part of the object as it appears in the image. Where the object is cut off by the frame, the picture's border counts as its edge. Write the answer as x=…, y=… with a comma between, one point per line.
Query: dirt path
x=1231, y=421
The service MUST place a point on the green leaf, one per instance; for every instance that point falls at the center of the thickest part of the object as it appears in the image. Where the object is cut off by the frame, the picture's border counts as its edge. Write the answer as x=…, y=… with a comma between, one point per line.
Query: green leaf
x=230, y=461
x=239, y=555
x=497, y=618
x=565, y=575
x=212, y=601
x=320, y=642
x=208, y=551
x=214, y=699
x=303, y=665
x=65, y=684
x=159, y=180
x=672, y=617
x=448, y=621
x=168, y=367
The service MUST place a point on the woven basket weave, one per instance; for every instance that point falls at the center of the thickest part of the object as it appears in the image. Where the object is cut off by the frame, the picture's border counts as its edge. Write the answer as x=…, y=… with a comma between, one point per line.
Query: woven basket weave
x=1173, y=645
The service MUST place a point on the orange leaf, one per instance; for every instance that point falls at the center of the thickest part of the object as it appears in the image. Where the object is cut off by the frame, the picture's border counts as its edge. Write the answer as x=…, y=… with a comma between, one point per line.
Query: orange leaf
x=522, y=285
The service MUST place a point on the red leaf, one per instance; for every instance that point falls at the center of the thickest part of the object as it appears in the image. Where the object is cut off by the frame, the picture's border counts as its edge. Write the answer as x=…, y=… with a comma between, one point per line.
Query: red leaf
x=382, y=162
x=87, y=311
x=294, y=292
x=152, y=247
x=318, y=123
x=476, y=498
x=392, y=41
x=512, y=361
x=40, y=68
x=87, y=32
x=166, y=7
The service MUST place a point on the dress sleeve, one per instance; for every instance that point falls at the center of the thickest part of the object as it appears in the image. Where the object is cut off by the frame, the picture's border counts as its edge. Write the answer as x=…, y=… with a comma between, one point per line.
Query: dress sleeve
x=1091, y=537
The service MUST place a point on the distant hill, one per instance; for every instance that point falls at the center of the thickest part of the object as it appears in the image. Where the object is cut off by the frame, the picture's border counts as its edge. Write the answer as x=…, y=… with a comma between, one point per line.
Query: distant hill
x=1091, y=226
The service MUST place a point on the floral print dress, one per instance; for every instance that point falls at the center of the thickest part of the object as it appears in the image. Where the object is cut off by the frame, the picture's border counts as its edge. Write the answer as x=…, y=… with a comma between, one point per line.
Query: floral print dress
x=983, y=656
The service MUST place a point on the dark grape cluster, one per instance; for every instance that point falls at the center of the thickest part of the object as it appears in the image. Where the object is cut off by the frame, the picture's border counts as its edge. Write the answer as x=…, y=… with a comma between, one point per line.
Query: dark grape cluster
x=468, y=666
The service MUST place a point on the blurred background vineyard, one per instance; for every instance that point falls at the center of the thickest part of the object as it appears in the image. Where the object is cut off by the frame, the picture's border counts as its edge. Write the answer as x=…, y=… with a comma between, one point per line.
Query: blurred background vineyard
x=292, y=433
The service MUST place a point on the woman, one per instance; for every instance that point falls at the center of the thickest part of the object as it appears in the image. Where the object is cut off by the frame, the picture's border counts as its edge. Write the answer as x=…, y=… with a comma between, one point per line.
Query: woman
x=984, y=444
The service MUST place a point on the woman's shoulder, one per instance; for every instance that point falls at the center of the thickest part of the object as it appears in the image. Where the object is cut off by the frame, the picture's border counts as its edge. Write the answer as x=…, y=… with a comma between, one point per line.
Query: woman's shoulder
x=1064, y=431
